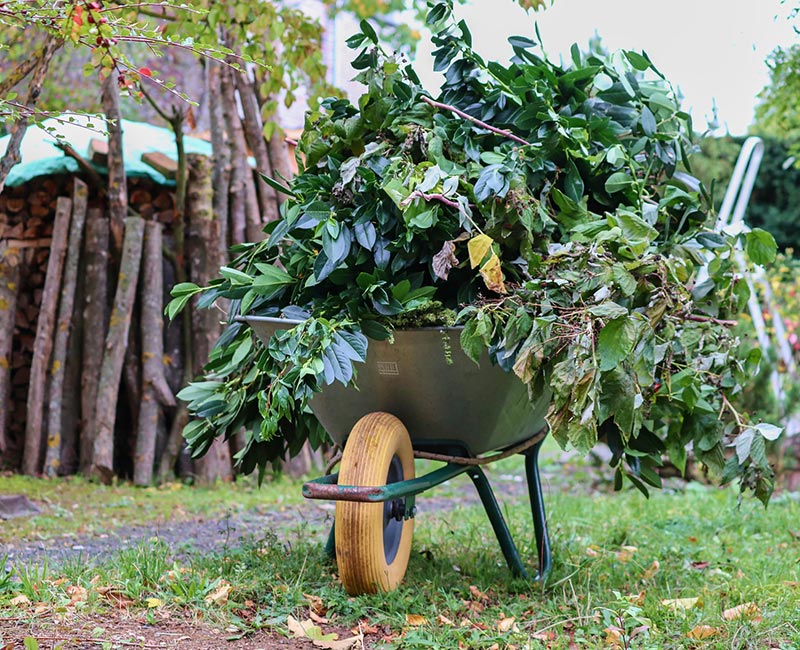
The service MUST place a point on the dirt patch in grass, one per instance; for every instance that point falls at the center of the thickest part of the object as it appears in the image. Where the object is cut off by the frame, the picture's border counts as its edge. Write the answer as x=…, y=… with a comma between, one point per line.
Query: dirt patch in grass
x=122, y=630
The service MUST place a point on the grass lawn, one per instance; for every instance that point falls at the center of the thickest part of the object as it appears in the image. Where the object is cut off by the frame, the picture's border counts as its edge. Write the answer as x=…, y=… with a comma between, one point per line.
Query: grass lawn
x=686, y=569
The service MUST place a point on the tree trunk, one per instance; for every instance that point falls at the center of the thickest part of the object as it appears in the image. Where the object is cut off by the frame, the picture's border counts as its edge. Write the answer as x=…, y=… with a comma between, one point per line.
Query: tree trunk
x=201, y=247
x=221, y=176
x=117, y=182
x=114, y=350
x=254, y=132
x=94, y=327
x=154, y=389
x=43, y=345
x=12, y=154
x=52, y=461
x=241, y=193
x=9, y=286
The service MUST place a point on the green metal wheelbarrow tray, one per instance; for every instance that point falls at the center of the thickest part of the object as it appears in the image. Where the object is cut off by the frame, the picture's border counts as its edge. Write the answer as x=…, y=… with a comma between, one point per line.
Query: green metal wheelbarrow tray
x=418, y=394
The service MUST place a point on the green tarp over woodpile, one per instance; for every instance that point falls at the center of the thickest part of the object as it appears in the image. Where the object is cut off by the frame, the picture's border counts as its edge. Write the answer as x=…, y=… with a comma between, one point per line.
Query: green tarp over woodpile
x=41, y=155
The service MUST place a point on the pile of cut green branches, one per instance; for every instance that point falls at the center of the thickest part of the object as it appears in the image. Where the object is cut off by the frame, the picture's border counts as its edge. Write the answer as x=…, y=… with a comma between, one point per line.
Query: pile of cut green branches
x=538, y=202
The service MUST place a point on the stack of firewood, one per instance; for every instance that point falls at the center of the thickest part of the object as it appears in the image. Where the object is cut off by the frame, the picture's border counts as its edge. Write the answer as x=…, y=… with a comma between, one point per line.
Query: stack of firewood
x=82, y=337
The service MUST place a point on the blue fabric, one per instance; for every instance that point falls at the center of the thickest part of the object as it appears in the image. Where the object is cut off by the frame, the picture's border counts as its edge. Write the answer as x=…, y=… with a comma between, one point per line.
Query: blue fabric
x=41, y=156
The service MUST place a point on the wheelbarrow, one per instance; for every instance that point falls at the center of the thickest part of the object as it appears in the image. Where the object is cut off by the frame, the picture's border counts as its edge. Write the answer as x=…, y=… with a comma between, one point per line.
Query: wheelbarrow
x=418, y=395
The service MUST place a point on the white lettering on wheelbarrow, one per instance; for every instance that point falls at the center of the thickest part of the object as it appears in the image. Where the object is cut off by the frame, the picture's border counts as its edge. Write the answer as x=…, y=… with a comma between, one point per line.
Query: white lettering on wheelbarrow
x=388, y=368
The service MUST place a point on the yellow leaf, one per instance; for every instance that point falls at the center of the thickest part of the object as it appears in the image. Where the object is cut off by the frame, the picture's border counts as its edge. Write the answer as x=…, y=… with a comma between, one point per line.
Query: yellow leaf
x=745, y=610
x=153, y=602
x=702, y=632
x=478, y=246
x=415, y=620
x=220, y=595
x=493, y=275
x=681, y=604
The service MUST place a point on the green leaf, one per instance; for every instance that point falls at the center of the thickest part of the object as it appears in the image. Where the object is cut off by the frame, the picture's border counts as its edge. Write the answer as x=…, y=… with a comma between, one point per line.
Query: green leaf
x=761, y=247
x=769, y=431
x=471, y=341
x=275, y=185
x=270, y=280
x=618, y=182
x=608, y=309
x=369, y=32
x=616, y=341
x=235, y=277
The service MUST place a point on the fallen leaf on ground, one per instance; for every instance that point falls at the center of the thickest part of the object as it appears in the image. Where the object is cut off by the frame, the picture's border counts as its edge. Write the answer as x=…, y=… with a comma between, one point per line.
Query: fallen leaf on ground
x=702, y=632
x=651, y=570
x=591, y=552
x=745, y=610
x=681, y=604
x=77, y=594
x=415, y=620
x=477, y=594
x=316, y=617
x=152, y=603
x=505, y=624
x=220, y=595
x=20, y=601
x=699, y=566
x=115, y=597
x=307, y=630
x=443, y=620
x=626, y=553
x=338, y=644
x=316, y=604
x=635, y=599
x=549, y=635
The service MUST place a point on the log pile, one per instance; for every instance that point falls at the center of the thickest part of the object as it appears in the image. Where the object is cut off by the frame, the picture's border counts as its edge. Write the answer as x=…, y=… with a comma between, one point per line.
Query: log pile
x=80, y=323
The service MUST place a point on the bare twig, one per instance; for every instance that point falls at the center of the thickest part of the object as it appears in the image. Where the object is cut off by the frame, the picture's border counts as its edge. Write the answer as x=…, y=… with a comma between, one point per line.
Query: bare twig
x=416, y=194
x=474, y=120
x=708, y=319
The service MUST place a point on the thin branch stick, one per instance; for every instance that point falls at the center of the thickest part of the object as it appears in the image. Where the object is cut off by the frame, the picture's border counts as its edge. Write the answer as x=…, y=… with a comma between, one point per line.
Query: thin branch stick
x=429, y=197
x=474, y=120
x=708, y=319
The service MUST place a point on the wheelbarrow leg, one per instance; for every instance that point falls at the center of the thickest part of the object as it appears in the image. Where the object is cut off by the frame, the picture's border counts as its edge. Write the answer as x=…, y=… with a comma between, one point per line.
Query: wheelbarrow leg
x=330, y=545
x=537, y=510
x=498, y=523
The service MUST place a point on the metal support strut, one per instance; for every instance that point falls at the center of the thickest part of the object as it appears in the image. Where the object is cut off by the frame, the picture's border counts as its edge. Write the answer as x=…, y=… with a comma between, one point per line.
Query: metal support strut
x=328, y=488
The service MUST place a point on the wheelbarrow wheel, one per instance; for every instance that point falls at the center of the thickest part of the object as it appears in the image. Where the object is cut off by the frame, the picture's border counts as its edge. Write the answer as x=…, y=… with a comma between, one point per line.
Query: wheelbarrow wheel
x=373, y=540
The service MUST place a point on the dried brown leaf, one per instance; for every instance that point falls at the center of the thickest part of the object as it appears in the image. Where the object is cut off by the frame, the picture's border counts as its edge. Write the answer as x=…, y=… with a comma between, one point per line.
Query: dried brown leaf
x=220, y=595
x=20, y=601
x=702, y=632
x=444, y=260
x=650, y=571
x=415, y=620
x=745, y=610
x=505, y=624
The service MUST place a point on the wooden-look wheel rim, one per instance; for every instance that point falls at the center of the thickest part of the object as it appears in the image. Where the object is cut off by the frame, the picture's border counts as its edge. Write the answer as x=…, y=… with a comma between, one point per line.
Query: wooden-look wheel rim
x=372, y=544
